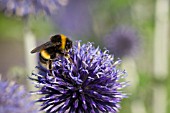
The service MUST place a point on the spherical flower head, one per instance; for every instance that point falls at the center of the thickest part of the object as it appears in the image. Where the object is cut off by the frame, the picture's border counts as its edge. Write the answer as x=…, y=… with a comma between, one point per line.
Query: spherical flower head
x=88, y=81
x=122, y=41
x=26, y=7
x=14, y=99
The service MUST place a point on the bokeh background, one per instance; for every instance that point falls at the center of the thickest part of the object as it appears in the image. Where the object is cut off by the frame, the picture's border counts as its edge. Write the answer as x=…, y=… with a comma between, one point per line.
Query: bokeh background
x=136, y=31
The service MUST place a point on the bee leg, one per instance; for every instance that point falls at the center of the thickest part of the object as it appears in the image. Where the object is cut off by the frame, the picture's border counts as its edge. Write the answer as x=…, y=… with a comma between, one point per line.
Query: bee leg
x=49, y=66
x=67, y=56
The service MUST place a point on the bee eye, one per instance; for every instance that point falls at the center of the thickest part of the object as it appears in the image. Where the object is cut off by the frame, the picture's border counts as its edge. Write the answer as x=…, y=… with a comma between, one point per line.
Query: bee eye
x=56, y=39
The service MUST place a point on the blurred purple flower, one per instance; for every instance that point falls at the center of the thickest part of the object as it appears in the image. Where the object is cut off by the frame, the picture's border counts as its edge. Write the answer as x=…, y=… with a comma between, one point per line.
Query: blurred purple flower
x=122, y=41
x=14, y=99
x=74, y=19
x=25, y=7
x=88, y=82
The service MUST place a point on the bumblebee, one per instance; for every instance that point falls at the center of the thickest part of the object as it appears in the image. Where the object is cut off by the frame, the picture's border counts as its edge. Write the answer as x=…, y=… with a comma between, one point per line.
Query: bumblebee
x=59, y=45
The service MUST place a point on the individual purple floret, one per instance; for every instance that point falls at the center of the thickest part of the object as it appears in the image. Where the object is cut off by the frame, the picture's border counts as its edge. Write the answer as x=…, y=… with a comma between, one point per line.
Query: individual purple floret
x=88, y=82
x=14, y=99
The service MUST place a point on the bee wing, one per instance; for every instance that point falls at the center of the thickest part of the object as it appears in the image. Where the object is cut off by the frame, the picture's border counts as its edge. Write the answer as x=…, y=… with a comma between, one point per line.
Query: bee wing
x=41, y=47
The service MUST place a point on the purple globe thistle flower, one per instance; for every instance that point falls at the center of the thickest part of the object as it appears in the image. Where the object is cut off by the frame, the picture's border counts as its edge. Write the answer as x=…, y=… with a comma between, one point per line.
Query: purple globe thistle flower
x=25, y=7
x=122, y=41
x=87, y=82
x=14, y=99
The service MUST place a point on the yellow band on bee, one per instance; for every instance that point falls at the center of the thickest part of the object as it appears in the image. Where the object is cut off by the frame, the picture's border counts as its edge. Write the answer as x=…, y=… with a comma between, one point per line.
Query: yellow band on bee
x=63, y=41
x=44, y=54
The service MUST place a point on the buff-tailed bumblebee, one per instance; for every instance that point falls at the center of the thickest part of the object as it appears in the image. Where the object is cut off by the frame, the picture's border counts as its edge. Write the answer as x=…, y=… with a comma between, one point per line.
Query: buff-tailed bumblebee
x=59, y=45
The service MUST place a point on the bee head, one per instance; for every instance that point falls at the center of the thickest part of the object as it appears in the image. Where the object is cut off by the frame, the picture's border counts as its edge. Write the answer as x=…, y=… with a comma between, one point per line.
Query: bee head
x=68, y=44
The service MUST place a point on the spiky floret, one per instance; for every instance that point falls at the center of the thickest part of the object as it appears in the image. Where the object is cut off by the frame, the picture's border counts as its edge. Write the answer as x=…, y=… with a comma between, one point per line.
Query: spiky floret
x=87, y=82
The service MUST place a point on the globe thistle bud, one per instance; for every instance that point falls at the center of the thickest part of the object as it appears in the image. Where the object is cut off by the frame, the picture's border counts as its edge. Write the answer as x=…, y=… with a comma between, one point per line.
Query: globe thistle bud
x=86, y=82
x=122, y=41
x=14, y=99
